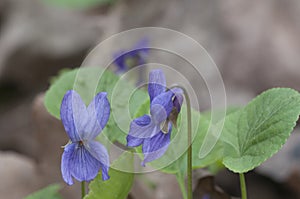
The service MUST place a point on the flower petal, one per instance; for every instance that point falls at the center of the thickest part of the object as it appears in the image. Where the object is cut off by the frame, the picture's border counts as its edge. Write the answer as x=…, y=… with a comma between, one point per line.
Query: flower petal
x=161, y=106
x=140, y=49
x=138, y=52
x=99, y=152
x=155, y=147
x=119, y=60
x=65, y=163
x=102, y=108
x=157, y=83
x=98, y=111
x=73, y=115
x=83, y=166
x=105, y=175
x=144, y=128
x=136, y=141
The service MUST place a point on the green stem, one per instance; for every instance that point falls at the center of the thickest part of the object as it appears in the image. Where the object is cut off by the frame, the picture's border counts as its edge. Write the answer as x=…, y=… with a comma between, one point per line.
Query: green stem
x=189, y=163
x=82, y=189
x=189, y=160
x=180, y=180
x=189, y=136
x=243, y=186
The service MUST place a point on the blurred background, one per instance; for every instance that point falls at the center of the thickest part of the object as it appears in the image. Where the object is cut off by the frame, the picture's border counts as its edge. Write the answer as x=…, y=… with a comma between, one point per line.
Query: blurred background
x=255, y=44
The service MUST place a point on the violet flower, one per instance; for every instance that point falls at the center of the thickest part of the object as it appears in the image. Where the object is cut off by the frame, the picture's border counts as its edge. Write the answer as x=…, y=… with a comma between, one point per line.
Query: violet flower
x=127, y=59
x=83, y=157
x=153, y=131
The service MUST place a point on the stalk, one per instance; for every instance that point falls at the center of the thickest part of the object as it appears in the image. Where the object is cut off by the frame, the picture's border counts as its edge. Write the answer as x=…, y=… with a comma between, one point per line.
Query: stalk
x=82, y=189
x=243, y=186
x=189, y=136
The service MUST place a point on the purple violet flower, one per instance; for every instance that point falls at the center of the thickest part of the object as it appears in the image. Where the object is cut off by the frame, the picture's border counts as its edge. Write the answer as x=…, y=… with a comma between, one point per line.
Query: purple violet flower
x=153, y=131
x=126, y=59
x=83, y=157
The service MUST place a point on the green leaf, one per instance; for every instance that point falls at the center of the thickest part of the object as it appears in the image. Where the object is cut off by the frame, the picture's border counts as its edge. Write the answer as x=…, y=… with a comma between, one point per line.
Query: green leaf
x=79, y=4
x=88, y=81
x=255, y=133
x=206, y=136
x=50, y=192
x=119, y=184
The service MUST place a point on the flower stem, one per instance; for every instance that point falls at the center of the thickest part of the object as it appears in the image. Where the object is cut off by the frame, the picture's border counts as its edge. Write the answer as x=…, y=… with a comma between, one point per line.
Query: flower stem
x=189, y=137
x=243, y=186
x=189, y=159
x=82, y=189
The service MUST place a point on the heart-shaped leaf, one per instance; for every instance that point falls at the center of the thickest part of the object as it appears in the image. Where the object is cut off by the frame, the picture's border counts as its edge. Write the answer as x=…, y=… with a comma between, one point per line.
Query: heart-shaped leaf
x=255, y=133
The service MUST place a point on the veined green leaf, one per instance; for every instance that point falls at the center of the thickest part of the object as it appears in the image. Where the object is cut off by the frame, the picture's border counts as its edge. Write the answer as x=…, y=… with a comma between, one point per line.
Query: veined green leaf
x=255, y=133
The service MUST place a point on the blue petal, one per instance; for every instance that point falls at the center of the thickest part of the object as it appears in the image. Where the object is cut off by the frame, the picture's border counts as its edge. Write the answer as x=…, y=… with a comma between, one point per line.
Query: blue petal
x=73, y=115
x=157, y=83
x=99, y=152
x=178, y=99
x=141, y=48
x=139, y=51
x=105, y=175
x=65, y=163
x=102, y=108
x=155, y=147
x=83, y=166
x=161, y=106
x=143, y=121
x=119, y=60
x=145, y=128
x=98, y=111
x=136, y=141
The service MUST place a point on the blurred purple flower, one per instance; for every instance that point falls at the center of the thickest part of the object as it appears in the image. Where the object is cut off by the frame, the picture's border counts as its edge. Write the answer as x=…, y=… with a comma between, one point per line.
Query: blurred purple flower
x=124, y=60
x=83, y=157
x=153, y=131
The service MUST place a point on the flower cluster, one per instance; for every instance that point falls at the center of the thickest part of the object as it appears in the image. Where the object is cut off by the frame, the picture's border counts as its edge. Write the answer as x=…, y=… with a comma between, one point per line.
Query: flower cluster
x=83, y=157
x=153, y=131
